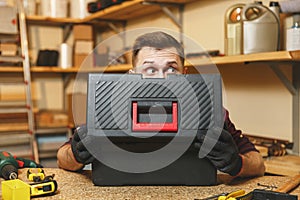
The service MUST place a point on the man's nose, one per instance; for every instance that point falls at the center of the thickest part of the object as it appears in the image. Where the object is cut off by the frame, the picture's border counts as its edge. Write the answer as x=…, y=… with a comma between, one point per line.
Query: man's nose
x=161, y=74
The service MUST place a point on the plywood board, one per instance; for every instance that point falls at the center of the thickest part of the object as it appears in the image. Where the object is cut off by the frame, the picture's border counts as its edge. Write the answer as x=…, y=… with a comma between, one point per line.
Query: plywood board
x=288, y=165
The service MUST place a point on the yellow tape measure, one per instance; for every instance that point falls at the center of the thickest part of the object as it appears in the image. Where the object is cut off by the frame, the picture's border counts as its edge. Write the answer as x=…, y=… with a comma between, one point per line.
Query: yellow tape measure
x=35, y=174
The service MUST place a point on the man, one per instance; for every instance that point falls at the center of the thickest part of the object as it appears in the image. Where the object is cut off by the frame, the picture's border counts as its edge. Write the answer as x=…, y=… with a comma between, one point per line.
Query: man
x=155, y=55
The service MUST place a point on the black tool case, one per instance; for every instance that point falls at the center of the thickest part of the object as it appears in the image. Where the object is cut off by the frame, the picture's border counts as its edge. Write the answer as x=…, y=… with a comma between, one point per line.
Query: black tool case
x=142, y=131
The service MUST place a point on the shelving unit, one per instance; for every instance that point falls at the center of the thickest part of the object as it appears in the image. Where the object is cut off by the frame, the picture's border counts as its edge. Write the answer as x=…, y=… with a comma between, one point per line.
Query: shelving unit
x=284, y=56
x=271, y=57
x=25, y=144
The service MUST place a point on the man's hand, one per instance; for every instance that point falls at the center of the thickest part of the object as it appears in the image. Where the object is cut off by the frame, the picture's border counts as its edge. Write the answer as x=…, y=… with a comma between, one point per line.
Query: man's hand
x=79, y=140
x=219, y=147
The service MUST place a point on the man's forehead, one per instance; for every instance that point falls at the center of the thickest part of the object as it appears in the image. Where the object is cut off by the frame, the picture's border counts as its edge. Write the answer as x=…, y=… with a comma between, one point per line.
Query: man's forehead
x=171, y=50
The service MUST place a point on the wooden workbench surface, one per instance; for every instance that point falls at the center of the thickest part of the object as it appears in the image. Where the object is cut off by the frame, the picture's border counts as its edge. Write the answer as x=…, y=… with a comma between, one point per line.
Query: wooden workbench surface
x=73, y=185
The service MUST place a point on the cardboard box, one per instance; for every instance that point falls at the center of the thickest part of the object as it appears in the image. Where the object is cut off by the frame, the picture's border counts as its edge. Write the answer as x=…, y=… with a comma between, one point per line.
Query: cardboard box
x=51, y=118
x=83, y=46
x=83, y=61
x=83, y=32
x=8, y=49
x=77, y=108
x=8, y=20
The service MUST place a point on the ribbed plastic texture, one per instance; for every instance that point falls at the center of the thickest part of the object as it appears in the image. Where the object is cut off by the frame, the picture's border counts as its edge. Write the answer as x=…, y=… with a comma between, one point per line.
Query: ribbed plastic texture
x=113, y=98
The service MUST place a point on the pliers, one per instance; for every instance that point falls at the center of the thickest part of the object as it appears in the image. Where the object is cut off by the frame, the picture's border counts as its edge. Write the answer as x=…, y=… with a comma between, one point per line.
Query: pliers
x=236, y=195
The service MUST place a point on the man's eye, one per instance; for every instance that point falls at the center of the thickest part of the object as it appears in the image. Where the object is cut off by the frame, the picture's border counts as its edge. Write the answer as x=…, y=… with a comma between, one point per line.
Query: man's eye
x=150, y=71
x=171, y=70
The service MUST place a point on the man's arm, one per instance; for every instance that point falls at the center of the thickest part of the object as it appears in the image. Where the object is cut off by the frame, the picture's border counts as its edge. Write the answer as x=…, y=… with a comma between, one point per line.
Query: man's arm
x=253, y=165
x=73, y=155
x=66, y=159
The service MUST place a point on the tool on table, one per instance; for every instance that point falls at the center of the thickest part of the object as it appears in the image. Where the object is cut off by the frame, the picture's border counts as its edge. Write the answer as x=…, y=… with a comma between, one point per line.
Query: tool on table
x=10, y=164
x=239, y=194
x=48, y=186
x=43, y=185
x=17, y=189
x=35, y=176
x=229, y=196
x=258, y=194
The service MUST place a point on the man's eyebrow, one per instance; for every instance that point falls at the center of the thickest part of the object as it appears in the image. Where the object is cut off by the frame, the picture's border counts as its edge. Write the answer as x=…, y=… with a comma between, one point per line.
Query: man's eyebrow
x=147, y=61
x=169, y=62
x=172, y=62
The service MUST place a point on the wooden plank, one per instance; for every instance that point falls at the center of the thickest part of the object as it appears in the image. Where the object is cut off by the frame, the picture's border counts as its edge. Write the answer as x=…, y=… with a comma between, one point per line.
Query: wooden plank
x=10, y=139
x=295, y=55
x=265, y=56
x=13, y=127
x=172, y=1
x=38, y=69
x=288, y=165
x=44, y=20
x=10, y=69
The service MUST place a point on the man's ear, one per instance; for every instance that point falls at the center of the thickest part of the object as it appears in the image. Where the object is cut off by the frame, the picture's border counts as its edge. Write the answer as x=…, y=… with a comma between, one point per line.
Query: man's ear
x=185, y=70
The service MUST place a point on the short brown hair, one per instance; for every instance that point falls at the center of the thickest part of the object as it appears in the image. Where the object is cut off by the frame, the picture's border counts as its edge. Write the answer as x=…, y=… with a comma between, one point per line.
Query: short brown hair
x=158, y=40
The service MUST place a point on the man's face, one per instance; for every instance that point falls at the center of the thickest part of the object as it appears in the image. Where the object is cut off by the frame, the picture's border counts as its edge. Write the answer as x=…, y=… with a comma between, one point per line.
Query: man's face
x=154, y=63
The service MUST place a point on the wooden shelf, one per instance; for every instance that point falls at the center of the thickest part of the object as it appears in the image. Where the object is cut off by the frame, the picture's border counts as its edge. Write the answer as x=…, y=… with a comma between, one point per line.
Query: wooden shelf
x=266, y=56
x=51, y=21
x=125, y=11
x=34, y=69
x=40, y=20
x=289, y=56
x=172, y=1
x=256, y=57
x=42, y=69
x=121, y=12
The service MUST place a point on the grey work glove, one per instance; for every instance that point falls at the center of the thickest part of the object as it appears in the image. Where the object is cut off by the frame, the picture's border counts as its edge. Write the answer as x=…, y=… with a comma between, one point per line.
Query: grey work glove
x=79, y=140
x=219, y=147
